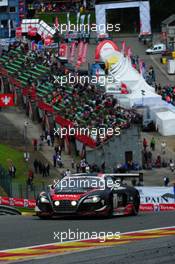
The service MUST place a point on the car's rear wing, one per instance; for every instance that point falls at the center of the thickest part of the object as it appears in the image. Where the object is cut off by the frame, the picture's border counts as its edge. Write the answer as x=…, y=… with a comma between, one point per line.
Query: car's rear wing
x=120, y=176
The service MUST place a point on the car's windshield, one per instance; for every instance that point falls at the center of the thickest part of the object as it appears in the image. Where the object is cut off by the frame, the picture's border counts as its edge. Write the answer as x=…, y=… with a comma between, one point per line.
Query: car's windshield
x=79, y=184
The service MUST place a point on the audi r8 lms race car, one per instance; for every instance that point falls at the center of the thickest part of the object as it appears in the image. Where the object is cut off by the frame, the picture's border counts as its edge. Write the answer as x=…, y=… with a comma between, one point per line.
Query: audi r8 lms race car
x=88, y=195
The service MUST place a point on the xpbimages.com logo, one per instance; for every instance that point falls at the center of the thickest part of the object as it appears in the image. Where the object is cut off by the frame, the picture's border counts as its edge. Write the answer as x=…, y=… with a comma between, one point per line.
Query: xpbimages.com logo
x=72, y=79
x=81, y=131
x=62, y=28
x=81, y=235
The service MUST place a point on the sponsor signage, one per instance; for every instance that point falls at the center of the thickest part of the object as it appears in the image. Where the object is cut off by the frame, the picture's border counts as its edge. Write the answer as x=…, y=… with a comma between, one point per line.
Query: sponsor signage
x=157, y=195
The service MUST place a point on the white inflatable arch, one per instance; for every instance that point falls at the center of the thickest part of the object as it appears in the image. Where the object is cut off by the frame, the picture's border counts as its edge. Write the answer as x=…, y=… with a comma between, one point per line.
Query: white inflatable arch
x=144, y=10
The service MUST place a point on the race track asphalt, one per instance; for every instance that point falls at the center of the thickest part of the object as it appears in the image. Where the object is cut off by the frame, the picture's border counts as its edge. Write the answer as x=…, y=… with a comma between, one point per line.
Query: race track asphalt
x=22, y=231
x=155, y=251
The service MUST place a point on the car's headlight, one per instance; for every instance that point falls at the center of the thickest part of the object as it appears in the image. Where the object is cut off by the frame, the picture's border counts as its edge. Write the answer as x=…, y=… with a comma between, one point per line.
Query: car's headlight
x=57, y=203
x=92, y=199
x=73, y=203
x=44, y=199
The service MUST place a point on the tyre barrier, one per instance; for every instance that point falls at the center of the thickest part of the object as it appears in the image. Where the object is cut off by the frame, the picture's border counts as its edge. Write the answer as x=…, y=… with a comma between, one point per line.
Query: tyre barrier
x=4, y=209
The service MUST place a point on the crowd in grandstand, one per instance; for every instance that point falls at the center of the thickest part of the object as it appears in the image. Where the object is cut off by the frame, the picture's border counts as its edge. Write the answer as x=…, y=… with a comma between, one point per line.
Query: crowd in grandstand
x=61, y=6
x=86, y=105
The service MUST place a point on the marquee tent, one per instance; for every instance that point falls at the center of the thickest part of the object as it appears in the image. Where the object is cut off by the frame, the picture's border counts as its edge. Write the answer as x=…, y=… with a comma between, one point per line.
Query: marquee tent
x=165, y=123
x=121, y=69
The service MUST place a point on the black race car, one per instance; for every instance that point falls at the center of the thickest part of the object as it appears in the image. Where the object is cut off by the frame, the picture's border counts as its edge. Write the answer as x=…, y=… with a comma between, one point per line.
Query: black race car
x=88, y=195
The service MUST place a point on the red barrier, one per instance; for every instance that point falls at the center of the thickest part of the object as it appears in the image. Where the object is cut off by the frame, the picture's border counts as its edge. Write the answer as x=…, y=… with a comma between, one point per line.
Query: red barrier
x=147, y=207
x=25, y=203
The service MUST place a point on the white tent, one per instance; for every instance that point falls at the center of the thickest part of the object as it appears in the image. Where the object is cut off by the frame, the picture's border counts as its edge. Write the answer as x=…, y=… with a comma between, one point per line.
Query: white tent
x=121, y=69
x=165, y=123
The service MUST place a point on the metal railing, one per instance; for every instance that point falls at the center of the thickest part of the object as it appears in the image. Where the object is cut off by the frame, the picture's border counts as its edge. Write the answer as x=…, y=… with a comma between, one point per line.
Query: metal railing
x=26, y=191
x=5, y=181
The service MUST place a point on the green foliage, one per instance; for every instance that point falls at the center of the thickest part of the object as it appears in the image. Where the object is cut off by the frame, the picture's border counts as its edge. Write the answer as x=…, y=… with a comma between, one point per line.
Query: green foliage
x=8, y=153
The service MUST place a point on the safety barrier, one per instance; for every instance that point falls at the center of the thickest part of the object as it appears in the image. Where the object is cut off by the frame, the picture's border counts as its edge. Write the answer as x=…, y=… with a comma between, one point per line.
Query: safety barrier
x=26, y=203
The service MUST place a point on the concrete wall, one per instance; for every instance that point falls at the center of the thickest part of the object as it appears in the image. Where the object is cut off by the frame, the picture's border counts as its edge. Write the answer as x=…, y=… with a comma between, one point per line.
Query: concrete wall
x=113, y=151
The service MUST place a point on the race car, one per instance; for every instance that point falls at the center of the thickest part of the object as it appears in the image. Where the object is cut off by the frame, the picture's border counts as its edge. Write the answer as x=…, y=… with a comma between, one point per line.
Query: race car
x=88, y=195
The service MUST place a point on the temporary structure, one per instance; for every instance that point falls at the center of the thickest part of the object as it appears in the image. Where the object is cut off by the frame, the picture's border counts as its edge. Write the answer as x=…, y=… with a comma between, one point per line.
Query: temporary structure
x=165, y=123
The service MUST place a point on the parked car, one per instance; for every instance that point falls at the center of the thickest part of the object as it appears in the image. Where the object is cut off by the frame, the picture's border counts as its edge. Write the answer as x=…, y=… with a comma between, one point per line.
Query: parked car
x=156, y=49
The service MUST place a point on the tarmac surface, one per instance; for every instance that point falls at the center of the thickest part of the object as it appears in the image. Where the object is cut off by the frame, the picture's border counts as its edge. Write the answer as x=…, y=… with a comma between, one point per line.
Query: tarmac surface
x=26, y=231
x=159, y=251
x=22, y=231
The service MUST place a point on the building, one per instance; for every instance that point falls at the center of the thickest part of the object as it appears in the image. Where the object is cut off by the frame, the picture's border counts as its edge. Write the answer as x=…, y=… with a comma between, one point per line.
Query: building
x=9, y=17
x=168, y=31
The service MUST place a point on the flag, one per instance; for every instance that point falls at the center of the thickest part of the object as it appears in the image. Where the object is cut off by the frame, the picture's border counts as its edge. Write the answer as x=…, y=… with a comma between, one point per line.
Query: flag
x=97, y=74
x=6, y=100
x=80, y=53
x=56, y=23
x=9, y=28
x=72, y=53
x=84, y=3
x=129, y=52
x=141, y=67
x=82, y=27
x=123, y=47
x=84, y=52
x=68, y=22
x=63, y=51
x=78, y=17
x=89, y=23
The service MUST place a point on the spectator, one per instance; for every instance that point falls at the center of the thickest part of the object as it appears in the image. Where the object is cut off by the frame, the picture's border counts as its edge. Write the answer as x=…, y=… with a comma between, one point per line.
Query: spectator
x=166, y=181
x=48, y=170
x=48, y=140
x=40, y=166
x=56, y=149
x=36, y=165
x=145, y=144
x=73, y=164
x=44, y=171
x=152, y=144
x=68, y=173
x=59, y=161
x=171, y=165
x=35, y=144
x=77, y=167
x=163, y=147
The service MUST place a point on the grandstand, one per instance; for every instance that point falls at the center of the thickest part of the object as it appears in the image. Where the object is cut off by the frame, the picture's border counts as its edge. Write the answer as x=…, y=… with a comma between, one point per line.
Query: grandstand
x=85, y=106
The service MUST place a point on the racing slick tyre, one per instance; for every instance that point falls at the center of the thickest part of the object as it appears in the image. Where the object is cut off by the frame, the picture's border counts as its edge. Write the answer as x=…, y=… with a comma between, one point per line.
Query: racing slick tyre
x=44, y=217
x=136, y=204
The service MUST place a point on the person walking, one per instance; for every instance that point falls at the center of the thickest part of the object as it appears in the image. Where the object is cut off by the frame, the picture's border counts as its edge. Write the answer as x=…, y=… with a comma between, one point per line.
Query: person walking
x=44, y=171
x=48, y=140
x=166, y=181
x=35, y=165
x=40, y=167
x=35, y=143
x=145, y=144
x=48, y=170
x=153, y=144
x=163, y=147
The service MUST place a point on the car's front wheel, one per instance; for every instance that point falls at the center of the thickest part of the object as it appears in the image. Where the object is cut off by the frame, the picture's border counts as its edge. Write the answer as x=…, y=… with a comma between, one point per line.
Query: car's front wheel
x=44, y=217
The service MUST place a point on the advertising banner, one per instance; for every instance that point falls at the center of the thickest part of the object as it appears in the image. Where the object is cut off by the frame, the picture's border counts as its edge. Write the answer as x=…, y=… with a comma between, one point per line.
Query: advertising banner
x=157, y=195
